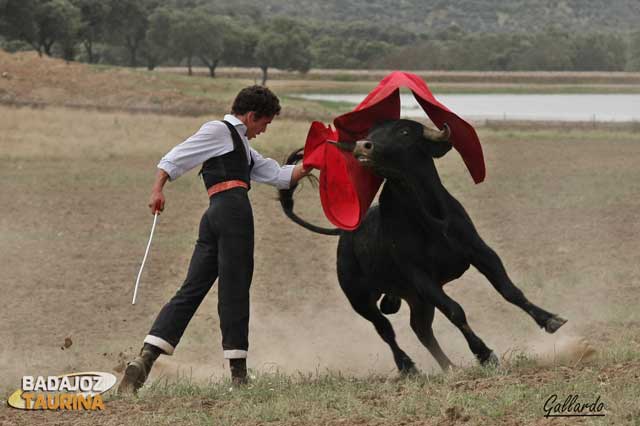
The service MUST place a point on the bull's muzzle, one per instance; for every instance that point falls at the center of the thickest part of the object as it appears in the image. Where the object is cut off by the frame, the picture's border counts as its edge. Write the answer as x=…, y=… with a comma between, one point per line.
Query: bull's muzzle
x=363, y=151
x=343, y=146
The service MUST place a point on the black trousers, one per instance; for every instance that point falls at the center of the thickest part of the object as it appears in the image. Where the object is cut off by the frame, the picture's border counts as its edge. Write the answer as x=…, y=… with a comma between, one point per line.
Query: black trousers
x=224, y=250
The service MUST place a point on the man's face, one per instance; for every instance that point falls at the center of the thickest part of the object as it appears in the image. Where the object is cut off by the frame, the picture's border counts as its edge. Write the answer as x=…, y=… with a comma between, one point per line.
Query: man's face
x=255, y=126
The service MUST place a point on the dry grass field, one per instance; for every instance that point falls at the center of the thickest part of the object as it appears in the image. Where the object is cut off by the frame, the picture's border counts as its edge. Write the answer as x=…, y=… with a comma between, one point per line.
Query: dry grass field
x=561, y=209
x=560, y=205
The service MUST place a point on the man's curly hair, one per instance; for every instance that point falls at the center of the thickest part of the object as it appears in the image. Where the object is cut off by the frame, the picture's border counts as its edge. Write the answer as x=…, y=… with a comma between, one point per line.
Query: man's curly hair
x=258, y=99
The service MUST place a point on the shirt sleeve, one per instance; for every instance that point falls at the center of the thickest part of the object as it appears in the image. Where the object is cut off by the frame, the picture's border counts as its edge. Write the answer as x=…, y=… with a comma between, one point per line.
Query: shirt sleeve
x=210, y=141
x=267, y=170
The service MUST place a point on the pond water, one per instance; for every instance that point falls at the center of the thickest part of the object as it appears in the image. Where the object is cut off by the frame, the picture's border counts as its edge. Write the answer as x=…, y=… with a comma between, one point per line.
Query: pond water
x=578, y=107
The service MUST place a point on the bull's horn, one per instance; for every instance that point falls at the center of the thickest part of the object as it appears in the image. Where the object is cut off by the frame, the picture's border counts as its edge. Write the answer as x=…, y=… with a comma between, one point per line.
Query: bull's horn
x=437, y=135
x=344, y=146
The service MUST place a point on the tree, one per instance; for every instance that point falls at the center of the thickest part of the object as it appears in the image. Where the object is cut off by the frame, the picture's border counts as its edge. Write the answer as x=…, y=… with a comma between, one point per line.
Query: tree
x=17, y=21
x=4, y=7
x=157, y=40
x=210, y=48
x=57, y=20
x=93, y=24
x=284, y=44
x=331, y=51
x=239, y=45
x=225, y=41
x=552, y=50
x=633, y=52
x=328, y=52
x=41, y=23
x=424, y=55
x=599, y=52
x=211, y=39
x=365, y=51
x=127, y=24
x=370, y=31
x=186, y=36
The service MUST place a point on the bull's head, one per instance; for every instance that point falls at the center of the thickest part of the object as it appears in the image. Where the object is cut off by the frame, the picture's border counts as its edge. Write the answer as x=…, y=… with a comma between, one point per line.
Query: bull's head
x=392, y=147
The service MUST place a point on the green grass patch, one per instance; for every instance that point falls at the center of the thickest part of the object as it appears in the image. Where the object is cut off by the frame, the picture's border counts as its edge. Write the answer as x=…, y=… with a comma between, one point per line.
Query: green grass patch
x=516, y=391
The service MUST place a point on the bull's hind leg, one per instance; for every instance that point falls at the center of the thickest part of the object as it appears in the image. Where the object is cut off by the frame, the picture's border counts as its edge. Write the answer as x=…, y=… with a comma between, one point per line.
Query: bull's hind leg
x=421, y=323
x=490, y=265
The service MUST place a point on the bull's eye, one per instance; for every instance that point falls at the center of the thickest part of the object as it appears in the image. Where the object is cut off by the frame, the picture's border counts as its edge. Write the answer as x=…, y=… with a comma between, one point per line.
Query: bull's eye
x=404, y=132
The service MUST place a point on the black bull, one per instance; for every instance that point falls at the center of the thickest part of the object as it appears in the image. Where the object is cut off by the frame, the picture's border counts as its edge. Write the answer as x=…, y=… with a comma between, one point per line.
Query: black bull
x=417, y=239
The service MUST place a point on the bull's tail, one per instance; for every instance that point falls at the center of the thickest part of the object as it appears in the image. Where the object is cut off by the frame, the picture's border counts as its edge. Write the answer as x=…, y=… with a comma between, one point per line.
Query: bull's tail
x=286, y=201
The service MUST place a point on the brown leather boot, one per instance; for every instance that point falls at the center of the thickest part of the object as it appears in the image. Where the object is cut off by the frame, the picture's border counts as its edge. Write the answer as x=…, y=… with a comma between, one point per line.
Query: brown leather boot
x=138, y=370
x=238, y=368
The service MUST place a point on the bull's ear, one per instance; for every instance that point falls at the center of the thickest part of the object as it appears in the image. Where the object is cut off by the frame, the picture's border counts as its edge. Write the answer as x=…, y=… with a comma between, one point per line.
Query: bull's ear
x=439, y=149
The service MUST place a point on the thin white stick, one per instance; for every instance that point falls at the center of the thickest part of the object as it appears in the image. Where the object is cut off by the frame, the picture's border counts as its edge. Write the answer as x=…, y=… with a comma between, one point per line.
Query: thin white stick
x=144, y=259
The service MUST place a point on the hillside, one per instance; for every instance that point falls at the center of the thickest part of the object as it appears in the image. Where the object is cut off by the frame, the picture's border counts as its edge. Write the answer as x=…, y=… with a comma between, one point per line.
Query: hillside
x=29, y=80
x=470, y=15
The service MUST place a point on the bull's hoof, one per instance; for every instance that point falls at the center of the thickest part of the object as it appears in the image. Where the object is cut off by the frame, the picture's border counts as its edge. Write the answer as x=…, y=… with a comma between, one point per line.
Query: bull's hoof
x=405, y=365
x=554, y=323
x=451, y=367
x=491, y=361
x=390, y=304
x=410, y=371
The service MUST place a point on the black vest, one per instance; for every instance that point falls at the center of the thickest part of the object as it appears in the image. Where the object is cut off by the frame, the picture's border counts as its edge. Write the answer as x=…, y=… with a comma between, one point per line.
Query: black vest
x=230, y=166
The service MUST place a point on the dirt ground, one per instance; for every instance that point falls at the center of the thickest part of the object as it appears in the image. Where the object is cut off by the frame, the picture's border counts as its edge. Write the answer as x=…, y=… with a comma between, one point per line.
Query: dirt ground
x=560, y=207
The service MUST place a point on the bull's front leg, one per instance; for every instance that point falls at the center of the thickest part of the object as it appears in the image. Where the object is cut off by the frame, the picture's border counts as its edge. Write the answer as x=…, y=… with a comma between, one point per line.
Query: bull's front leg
x=365, y=304
x=490, y=265
x=432, y=293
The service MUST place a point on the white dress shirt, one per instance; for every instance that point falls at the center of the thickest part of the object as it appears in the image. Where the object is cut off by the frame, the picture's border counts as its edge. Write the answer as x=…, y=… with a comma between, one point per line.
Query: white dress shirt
x=214, y=139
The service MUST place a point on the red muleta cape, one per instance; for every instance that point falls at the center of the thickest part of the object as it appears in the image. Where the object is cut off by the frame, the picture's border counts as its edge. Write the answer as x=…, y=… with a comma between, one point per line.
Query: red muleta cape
x=346, y=188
